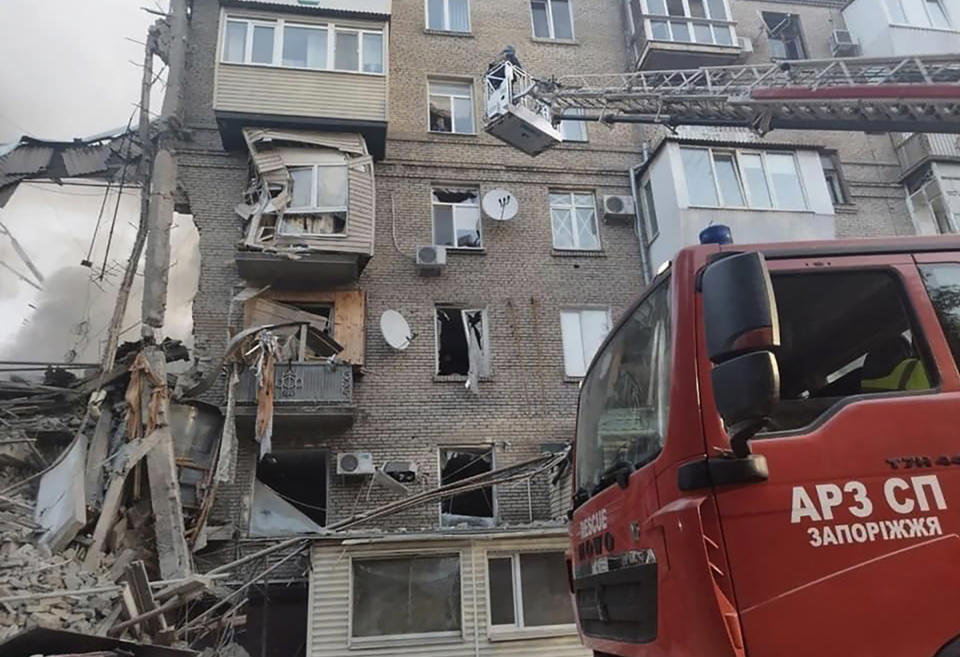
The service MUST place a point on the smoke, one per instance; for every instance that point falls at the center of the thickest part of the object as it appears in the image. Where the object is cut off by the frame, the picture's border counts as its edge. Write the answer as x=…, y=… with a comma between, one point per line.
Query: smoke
x=69, y=318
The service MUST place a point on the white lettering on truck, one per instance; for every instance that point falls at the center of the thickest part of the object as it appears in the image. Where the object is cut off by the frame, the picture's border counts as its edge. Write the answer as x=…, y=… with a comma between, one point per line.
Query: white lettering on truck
x=593, y=524
x=902, y=496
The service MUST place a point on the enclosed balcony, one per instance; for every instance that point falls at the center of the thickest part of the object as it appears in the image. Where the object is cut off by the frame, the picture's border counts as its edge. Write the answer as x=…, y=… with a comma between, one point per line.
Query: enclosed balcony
x=306, y=394
x=320, y=65
x=677, y=34
x=894, y=28
x=916, y=150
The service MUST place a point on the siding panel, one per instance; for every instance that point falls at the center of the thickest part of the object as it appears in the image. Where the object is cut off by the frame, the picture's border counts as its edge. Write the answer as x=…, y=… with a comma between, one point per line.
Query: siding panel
x=330, y=601
x=287, y=92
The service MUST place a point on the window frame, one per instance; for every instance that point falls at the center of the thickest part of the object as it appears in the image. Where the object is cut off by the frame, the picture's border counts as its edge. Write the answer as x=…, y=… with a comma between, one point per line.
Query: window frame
x=279, y=26
x=727, y=23
x=452, y=636
x=469, y=82
x=519, y=629
x=489, y=447
x=446, y=18
x=433, y=217
x=944, y=9
x=317, y=209
x=580, y=125
x=838, y=188
x=744, y=187
x=552, y=29
x=572, y=193
x=487, y=368
x=918, y=329
x=580, y=310
x=801, y=40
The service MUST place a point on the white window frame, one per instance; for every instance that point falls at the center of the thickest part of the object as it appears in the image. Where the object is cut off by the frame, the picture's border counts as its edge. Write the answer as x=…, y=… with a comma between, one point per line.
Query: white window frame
x=280, y=25
x=579, y=310
x=487, y=360
x=652, y=228
x=433, y=219
x=318, y=209
x=715, y=24
x=573, y=215
x=519, y=626
x=402, y=639
x=473, y=104
x=493, y=466
x=550, y=24
x=446, y=18
x=738, y=153
x=929, y=25
x=572, y=124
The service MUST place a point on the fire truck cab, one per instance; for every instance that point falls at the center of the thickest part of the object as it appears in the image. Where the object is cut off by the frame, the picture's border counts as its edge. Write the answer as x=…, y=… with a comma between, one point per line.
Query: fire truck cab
x=767, y=459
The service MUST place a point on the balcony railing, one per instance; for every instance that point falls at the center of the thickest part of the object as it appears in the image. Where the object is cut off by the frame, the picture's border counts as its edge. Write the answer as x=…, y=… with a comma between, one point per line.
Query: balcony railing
x=923, y=147
x=303, y=385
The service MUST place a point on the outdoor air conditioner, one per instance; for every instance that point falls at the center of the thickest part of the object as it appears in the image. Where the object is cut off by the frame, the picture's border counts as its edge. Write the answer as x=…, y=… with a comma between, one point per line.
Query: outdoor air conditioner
x=431, y=259
x=746, y=45
x=842, y=44
x=617, y=208
x=355, y=463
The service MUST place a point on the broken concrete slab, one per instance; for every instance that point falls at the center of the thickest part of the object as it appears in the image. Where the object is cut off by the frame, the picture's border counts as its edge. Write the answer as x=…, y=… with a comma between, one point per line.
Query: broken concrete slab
x=61, y=503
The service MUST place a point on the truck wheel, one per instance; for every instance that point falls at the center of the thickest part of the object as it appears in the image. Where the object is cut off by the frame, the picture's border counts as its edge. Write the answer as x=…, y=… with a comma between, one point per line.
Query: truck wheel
x=952, y=649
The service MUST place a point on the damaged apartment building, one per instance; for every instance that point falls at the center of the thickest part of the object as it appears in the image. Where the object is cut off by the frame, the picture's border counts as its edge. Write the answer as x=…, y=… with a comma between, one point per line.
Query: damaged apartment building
x=432, y=297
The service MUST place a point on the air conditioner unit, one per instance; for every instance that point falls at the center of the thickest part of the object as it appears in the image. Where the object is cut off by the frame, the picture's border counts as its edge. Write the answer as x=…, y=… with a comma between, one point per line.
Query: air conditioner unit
x=746, y=45
x=403, y=471
x=617, y=208
x=431, y=259
x=842, y=44
x=355, y=463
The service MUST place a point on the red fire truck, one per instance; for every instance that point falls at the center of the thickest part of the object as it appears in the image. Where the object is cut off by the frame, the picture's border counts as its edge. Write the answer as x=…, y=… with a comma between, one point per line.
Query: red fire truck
x=768, y=457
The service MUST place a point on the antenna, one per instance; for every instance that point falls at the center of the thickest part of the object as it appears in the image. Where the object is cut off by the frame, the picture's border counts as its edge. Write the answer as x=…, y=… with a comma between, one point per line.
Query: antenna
x=395, y=329
x=500, y=205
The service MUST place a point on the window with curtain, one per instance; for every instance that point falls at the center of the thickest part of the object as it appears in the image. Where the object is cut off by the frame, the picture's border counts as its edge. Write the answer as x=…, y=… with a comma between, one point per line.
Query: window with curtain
x=582, y=331
x=573, y=217
x=448, y=15
x=691, y=21
x=573, y=130
x=451, y=107
x=304, y=46
x=529, y=590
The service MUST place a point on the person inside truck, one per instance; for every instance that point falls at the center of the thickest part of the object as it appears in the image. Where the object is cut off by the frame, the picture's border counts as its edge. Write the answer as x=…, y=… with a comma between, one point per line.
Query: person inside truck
x=894, y=367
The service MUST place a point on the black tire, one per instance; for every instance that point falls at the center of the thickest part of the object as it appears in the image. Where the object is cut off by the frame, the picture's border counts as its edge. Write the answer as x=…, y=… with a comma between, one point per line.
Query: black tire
x=952, y=649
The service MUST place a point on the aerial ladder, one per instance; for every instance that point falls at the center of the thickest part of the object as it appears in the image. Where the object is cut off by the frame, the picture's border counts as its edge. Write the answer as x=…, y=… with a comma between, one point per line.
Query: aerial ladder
x=863, y=94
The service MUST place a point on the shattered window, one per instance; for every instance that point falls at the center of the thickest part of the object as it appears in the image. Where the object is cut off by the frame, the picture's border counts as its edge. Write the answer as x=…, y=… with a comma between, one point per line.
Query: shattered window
x=456, y=218
x=318, y=201
x=290, y=493
x=400, y=596
x=784, y=36
x=529, y=590
x=474, y=508
x=574, y=220
x=451, y=107
x=462, y=342
x=304, y=46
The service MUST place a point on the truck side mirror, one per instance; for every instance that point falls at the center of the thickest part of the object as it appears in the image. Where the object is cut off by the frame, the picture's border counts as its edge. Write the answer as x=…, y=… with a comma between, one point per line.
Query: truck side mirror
x=742, y=329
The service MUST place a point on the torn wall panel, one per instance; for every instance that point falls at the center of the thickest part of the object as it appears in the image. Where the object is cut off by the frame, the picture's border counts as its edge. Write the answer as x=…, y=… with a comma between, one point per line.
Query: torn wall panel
x=61, y=503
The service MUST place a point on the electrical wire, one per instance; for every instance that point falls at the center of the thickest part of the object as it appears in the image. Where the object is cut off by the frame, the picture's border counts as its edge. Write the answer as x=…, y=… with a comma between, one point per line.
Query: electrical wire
x=128, y=138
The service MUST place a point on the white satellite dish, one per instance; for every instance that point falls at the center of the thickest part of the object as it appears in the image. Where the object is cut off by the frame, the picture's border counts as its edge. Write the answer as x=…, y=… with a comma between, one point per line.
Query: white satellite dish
x=500, y=205
x=395, y=330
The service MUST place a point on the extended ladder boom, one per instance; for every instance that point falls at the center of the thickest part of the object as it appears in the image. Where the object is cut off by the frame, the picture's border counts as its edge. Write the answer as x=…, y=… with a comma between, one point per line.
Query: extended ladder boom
x=915, y=94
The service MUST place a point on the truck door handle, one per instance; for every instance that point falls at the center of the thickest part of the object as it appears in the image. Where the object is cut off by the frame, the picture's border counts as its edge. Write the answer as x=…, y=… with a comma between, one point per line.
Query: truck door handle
x=707, y=473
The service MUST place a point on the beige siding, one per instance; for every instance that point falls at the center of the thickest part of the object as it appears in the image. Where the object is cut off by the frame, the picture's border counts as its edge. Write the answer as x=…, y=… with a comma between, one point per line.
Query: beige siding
x=330, y=601
x=290, y=92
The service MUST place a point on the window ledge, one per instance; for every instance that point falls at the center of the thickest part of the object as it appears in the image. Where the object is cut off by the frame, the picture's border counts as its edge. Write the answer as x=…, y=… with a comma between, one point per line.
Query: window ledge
x=530, y=633
x=845, y=208
x=579, y=253
x=926, y=28
x=458, y=378
x=556, y=42
x=439, y=133
x=398, y=641
x=739, y=209
x=573, y=379
x=459, y=250
x=453, y=33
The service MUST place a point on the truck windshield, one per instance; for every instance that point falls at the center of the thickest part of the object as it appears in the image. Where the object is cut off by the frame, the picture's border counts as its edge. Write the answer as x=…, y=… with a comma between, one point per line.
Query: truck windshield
x=625, y=398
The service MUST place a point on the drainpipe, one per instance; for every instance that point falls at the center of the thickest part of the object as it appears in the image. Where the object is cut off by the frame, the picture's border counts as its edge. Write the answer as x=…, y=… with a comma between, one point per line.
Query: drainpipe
x=641, y=225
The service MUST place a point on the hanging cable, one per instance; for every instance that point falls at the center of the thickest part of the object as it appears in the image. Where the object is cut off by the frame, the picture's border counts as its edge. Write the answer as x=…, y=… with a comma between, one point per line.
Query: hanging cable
x=123, y=178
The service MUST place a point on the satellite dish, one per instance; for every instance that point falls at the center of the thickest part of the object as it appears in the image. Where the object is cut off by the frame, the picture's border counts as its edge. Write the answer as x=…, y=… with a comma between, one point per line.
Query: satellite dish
x=500, y=205
x=395, y=330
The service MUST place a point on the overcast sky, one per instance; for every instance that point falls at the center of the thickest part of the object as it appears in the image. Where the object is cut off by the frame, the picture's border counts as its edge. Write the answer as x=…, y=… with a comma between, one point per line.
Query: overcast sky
x=65, y=72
